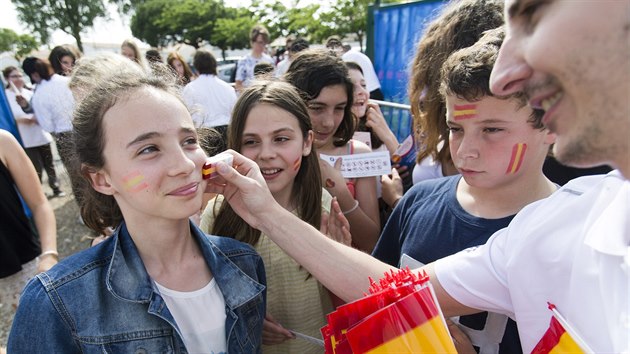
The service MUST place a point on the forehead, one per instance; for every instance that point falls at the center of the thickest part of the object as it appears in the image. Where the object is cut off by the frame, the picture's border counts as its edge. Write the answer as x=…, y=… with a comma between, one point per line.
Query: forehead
x=267, y=117
x=461, y=111
x=331, y=95
x=146, y=109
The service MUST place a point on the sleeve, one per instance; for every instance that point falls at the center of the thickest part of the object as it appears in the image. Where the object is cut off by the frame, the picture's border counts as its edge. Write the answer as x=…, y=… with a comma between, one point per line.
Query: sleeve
x=388, y=247
x=476, y=277
x=38, y=327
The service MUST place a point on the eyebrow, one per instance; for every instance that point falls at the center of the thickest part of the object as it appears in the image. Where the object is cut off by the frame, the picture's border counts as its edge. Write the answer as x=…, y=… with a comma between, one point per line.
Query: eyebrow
x=150, y=135
x=273, y=132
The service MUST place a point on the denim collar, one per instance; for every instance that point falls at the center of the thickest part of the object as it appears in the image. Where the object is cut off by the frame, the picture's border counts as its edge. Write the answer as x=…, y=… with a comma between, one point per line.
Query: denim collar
x=127, y=278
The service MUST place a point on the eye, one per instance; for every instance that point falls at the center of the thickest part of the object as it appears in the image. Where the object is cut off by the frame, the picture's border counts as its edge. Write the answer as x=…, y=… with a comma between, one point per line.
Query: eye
x=529, y=11
x=316, y=109
x=492, y=130
x=191, y=141
x=454, y=130
x=340, y=108
x=148, y=150
x=249, y=142
x=282, y=139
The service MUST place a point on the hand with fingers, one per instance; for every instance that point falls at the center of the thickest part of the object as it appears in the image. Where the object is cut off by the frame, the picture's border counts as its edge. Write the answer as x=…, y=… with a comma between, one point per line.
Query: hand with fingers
x=244, y=187
x=335, y=225
x=376, y=121
x=392, y=188
x=273, y=332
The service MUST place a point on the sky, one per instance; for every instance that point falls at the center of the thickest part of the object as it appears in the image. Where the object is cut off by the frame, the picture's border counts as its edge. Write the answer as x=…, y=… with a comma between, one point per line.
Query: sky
x=114, y=31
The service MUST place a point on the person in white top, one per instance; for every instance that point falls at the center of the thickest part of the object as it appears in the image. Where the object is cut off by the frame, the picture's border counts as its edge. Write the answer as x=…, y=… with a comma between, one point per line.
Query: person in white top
x=36, y=141
x=52, y=103
x=259, y=37
x=209, y=98
x=571, y=249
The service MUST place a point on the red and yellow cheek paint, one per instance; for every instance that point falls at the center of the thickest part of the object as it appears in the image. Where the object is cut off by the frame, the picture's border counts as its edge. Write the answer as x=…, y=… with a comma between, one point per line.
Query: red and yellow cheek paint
x=134, y=182
x=297, y=164
x=464, y=111
x=209, y=169
x=518, y=154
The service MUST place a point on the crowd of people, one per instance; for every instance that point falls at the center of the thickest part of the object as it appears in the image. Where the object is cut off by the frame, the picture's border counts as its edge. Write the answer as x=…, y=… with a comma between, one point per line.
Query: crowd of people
x=253, y=259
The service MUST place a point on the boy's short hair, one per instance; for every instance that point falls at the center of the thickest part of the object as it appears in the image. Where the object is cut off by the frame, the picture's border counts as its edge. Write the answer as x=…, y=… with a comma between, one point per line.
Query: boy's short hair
x=205, y=62
x=263, y=68
x=466, y=73
x=259, y=30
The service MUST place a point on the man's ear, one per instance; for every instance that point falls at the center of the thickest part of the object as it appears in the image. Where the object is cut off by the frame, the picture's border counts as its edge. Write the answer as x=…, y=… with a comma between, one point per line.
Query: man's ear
x=308, y=143
x=99, y=180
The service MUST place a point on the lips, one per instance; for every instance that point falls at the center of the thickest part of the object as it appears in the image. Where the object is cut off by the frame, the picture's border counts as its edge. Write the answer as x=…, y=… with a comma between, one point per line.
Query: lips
x=547, y=103
x=270, y=173
x=186, y=190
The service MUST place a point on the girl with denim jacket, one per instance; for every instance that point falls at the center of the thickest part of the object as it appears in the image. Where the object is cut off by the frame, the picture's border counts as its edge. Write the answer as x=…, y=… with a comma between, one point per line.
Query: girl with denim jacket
x=159, y=284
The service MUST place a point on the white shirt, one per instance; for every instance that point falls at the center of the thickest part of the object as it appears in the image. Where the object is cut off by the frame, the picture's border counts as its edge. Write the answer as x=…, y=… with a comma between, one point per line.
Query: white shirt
x=32, y=134
x=427, y=169
x=53, y=104
x=371, y=79
x=200, y=317
x=282, y=67
x=210, y=101
x=572, y=250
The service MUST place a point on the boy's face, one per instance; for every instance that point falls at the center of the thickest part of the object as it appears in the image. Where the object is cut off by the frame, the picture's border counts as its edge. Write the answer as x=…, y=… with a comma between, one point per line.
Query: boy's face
x=492, y=143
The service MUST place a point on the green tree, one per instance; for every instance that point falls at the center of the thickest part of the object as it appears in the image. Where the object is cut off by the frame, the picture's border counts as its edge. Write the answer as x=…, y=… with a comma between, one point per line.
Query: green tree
x=349, y=16
x=20, y=44
x=70, y=16
x=232, y=31
x=161, y=22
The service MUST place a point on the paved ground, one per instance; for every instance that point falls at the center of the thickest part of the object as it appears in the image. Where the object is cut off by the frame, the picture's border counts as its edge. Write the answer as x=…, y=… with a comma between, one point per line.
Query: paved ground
x=72, y=236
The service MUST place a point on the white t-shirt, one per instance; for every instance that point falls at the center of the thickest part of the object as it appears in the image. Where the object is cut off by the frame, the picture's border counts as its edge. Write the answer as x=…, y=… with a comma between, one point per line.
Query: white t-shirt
x=200, y=316
x=210, y=101
x=32, y=134
x=572, y=250
x=371, y=79
x=428, y=168
x=53, y=104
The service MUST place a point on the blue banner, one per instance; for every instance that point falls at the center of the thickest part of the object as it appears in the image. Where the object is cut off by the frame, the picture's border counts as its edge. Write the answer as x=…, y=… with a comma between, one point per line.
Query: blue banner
x=397, y=30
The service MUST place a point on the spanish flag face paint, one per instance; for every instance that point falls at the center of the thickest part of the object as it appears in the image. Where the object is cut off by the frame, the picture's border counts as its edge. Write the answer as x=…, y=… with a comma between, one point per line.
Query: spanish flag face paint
x=134, y=182
x=297, y=164
x=464, y=111
x=518, y=153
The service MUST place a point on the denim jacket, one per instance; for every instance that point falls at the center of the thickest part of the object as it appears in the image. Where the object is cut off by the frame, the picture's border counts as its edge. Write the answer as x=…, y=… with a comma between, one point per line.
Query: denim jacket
x=102, y=300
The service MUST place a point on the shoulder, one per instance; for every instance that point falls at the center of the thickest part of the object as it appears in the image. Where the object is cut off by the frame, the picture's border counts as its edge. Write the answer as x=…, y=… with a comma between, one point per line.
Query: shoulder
x=71, y=271
x=359, y=146
x=439, y=187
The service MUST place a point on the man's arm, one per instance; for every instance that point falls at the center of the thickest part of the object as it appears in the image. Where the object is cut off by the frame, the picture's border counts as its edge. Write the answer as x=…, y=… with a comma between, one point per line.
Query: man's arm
x=341, y=269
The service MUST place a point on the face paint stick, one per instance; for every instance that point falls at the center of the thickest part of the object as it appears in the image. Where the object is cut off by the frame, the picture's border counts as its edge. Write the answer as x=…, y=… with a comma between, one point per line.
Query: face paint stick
x=464, y=111
x=518, y=153
x=209, y=169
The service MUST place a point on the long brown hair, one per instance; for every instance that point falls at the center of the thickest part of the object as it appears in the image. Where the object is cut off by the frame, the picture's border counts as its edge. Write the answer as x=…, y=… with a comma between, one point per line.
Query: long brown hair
x=460, y=25
x=307, y=188
x=312, y=70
